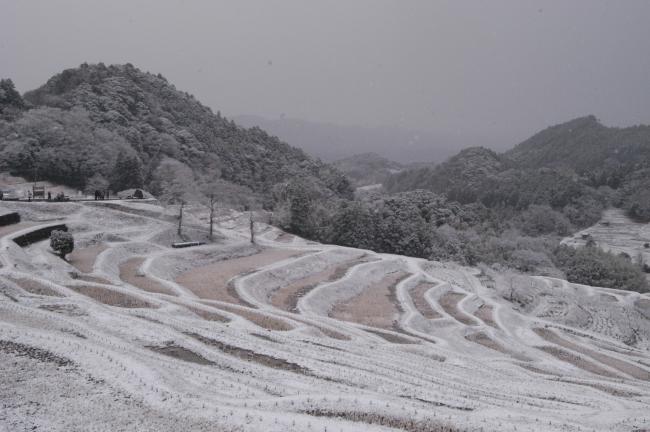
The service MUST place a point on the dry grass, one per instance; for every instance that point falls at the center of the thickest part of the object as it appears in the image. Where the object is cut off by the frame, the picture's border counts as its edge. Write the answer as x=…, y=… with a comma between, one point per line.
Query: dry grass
x=181, y=353
x=612, y=362
x=607, y=389
x=34, y=287
x=211, y=281
x=93, y=279
x=449, y=302
x=65, y=309
x=251, y=356
x=286, y=298
x=375, y=306
x=576, y=360
x=267, y=322
x=486, y=341
x=84, y=259
x=486, y=314
x=421, y=303
x=129, y=274
x=208, y=315
x=326, y=331
x=391, y=337
x=404, y=424
x=110, y=297
x=537, y=370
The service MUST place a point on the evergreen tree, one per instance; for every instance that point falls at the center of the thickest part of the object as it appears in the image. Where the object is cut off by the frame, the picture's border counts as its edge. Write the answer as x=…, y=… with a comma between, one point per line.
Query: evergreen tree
x=10, y=100
x=128, y=172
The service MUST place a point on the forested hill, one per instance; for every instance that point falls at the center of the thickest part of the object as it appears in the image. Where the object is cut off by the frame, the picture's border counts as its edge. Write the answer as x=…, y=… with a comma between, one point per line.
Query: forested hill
x=116, y=124
x=586, y=146
x=566, y=164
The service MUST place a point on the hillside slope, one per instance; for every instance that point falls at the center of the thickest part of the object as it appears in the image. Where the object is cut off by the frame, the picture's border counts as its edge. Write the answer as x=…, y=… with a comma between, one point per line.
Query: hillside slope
x=585, y=146
x=82, y=119
x=290, y=335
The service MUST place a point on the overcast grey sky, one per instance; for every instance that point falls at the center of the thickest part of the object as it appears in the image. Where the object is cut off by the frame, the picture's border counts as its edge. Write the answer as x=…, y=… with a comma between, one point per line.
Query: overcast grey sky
x=494, y=69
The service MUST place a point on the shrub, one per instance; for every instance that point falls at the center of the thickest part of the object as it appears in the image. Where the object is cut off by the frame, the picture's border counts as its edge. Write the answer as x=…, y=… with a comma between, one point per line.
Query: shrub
x=61, y=242
x=593, y=266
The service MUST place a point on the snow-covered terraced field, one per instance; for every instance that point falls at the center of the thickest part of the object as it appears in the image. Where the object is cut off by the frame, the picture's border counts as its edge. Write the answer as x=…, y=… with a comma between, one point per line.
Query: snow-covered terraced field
x=289, y=335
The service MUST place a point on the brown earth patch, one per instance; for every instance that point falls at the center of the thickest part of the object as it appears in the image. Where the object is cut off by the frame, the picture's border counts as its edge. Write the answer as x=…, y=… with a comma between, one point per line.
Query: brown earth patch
x=391, y=337
x=84, y=259
x=250, y=355
x=421, y=303
x=485, y=313
x=208, y=315
x=33, y=353
x=211, y=281
x=404, y=424
x=537, y=370
x=449, y=302
x=375, y=306
x=65, y=309
x=263, y=337
x=326, y=331
x=34, y=287
x=129, y=274
x=178, y=352
x=486, y=341
x=110, y=297
x=612, y=362
x=576, y=360
x=286, y=298
x=259, y=319
x=88, y=278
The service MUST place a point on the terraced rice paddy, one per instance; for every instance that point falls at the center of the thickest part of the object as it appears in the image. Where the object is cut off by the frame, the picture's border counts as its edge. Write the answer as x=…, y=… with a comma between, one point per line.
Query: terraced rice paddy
x=353, y=341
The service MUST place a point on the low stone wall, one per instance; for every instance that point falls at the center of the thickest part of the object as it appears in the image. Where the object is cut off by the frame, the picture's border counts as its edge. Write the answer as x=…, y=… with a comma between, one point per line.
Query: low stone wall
x=38, y=235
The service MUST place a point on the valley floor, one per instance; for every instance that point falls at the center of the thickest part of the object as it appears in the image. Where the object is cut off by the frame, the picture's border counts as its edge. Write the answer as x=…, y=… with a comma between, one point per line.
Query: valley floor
x=291, y=335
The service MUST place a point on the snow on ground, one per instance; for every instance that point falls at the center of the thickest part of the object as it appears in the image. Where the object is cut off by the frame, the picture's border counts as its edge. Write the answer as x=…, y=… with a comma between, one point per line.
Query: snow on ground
x=617, y=233
x=290, y=335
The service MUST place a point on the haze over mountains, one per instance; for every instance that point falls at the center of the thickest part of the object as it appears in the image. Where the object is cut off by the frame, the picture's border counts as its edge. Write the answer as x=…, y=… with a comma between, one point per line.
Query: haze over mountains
x=331, y=142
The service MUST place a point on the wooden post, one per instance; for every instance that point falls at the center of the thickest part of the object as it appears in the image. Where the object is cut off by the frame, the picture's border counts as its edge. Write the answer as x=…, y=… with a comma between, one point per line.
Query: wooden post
x=211, y=214
x=252, y=226
x=180, y=218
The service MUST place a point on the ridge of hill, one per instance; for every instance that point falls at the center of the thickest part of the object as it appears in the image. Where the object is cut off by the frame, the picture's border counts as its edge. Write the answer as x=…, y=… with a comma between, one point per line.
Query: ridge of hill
x=580, y=155
x=116, y=124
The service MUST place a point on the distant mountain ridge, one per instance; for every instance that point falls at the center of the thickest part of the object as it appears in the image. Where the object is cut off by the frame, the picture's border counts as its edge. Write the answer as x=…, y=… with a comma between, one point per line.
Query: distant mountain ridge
x=368, y=168
x=332, y=142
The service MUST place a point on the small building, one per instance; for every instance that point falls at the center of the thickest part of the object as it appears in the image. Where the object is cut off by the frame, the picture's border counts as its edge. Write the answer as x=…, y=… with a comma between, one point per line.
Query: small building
x=38, y=192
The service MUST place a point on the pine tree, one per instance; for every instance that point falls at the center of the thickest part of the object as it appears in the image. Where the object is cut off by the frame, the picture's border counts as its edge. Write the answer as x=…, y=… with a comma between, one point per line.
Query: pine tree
x=128, y=172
